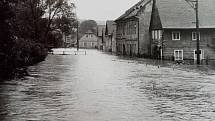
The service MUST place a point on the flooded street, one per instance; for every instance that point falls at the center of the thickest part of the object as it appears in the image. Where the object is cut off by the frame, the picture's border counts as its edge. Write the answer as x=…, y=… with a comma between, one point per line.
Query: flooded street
x=103, y=87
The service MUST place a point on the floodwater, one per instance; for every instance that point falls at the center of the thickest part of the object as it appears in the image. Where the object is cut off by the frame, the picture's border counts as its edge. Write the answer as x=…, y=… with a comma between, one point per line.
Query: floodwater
x=104, y=87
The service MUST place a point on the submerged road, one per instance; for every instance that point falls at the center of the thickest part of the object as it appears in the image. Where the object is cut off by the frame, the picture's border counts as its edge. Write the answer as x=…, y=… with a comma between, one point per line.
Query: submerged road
x=103, y=87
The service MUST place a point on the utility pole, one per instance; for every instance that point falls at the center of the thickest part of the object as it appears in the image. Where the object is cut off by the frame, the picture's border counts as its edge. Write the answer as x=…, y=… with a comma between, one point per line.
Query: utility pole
x=195, y=4
x=77, y=37
x=197, y=32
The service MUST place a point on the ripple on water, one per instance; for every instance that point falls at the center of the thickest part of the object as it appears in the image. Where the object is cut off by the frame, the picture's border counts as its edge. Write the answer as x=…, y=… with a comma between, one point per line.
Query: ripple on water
x=101, y=87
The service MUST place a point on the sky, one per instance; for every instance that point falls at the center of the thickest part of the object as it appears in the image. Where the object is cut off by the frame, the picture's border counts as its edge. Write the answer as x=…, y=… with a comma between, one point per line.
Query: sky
x=102, y=10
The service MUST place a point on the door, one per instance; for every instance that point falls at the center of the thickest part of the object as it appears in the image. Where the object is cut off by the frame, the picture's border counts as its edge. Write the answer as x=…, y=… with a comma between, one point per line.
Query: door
x=124, y=51
x=201, y=54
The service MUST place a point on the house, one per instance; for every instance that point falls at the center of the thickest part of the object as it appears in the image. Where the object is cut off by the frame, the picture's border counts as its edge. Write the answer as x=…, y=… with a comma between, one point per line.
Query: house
x=132, y=34
x=166, y=28
x=88, y=41
x=110, y=36
x=100, y=36
x=173, y=29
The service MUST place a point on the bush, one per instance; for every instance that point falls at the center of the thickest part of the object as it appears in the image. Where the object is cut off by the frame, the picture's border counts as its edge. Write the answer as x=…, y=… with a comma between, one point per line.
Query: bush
x=24, y=53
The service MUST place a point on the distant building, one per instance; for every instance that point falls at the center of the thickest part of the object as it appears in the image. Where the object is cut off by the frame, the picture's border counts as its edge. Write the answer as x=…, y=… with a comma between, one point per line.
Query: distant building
x=110, y=37
x=100, y=36
x=88, y=41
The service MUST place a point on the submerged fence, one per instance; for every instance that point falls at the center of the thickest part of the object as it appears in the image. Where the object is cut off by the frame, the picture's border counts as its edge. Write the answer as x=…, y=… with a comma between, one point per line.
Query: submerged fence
x=63, y=51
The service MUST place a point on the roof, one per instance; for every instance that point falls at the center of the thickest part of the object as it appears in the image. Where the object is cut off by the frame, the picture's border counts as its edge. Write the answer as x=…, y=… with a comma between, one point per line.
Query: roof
x=110, y=27
x=133, y=11
x=100, y=28
x=179, y=14
x=89, y=32
x=88, y=38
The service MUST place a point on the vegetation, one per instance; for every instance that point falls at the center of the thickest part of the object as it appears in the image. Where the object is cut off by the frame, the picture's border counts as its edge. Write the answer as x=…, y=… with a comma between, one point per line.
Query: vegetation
x=28, y=29
x=88, y=25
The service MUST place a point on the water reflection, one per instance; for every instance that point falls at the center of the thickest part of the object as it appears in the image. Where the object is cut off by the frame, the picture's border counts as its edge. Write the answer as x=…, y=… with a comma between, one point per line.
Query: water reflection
x=101, y=87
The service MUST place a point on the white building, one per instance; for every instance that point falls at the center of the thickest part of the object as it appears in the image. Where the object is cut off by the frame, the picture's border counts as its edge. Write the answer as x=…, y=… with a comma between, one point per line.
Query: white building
x=88, y=41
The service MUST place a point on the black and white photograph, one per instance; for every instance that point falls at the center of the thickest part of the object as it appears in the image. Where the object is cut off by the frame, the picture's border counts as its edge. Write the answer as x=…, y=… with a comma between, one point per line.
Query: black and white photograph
x=107, y=60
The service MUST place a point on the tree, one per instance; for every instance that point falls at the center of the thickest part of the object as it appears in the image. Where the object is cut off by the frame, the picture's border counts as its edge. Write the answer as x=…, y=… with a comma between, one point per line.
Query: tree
x=88, y=25
x=25, y=28
x=7, y=39
x=57, y=9
x=36, y=19
x=66, y=21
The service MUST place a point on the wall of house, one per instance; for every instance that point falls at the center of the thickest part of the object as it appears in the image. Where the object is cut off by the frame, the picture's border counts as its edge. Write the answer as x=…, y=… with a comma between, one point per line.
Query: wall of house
x=114, y=44
x=88, y=41
x=144, y=34
x=99, y=43
x=207, y=43
x=88, y=44
x=107, y=46
x=127, y=37
x=110, y=43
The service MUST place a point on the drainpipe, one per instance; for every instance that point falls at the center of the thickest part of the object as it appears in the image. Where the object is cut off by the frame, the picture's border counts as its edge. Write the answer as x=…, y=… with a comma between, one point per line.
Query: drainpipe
x=138, y=38
x=77, y=36
x=111, y=42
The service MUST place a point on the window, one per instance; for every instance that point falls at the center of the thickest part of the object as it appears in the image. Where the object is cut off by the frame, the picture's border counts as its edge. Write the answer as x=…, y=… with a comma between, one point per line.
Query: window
x=156, y=34
x=85, y=44
x=176, y=36
x=178, y=55
x=194, y=36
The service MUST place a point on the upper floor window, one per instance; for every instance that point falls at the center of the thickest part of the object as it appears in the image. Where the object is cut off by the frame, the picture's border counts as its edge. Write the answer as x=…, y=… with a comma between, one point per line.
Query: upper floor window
x=176, y=36
x=156, y=34
x=195, y=35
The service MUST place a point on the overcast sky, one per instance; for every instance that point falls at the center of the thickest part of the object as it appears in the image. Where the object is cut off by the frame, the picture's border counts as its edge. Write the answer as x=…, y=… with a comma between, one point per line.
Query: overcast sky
x=102, y=9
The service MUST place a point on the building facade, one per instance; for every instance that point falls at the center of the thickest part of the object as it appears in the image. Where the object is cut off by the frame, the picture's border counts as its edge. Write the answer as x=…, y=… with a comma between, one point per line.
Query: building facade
x=110, y=37
x=88, y=41
x=173, y=34
x=100, y=36
x=166, y=29
x=132, y=35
